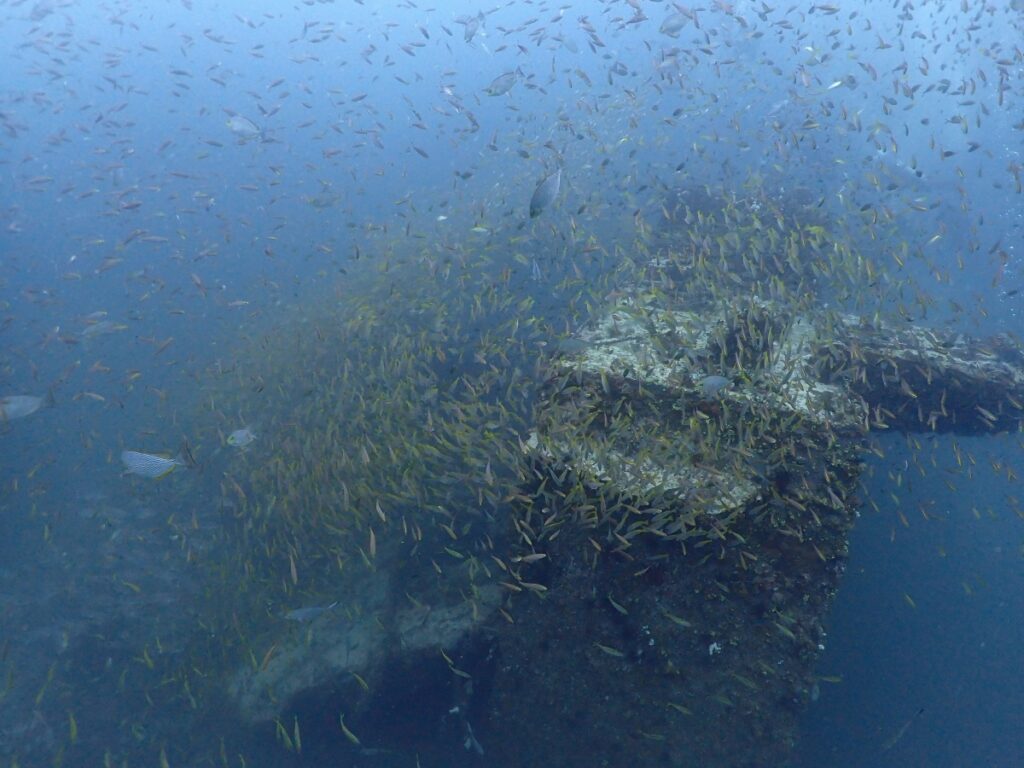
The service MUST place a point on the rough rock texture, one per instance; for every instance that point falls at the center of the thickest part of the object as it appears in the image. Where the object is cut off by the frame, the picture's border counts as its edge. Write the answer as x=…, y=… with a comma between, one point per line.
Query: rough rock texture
x=671, y=560
x=919, y=379
x=695, y=539
x=336, y=646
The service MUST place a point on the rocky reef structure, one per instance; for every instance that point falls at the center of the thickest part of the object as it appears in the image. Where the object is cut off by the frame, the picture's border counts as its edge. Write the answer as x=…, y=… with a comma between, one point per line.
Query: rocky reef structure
x=687, y=608
x=650, y=586
x=672, y=555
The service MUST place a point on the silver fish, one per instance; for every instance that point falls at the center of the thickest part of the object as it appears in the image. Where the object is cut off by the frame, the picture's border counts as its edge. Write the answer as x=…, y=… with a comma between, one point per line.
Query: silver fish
x=473, y=24
x=19, y=406
x=153, y=466
x=501, y=84
x=302, y=615
x=673, y=24
x=101, y=328
x=240, y=438
x=545, y=193
x=710, y=386
x=243, y=127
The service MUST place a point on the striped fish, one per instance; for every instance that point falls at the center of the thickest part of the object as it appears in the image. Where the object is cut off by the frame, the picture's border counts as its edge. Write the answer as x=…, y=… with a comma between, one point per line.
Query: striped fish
x=153, y=466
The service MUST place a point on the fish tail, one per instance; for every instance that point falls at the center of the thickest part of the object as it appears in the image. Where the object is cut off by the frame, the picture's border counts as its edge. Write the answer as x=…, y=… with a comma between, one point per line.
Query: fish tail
x=50, y=400
x=185, y=457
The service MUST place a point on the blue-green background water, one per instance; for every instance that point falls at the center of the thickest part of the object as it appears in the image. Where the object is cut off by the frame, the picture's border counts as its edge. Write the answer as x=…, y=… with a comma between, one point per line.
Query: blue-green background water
x=127, y=200
x=957, y=653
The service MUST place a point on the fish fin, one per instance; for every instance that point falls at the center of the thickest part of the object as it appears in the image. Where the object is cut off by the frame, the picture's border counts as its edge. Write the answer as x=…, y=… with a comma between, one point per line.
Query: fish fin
x=185, y=457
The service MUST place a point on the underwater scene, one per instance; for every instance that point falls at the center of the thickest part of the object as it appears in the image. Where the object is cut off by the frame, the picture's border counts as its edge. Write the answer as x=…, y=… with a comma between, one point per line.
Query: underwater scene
x=592, y=383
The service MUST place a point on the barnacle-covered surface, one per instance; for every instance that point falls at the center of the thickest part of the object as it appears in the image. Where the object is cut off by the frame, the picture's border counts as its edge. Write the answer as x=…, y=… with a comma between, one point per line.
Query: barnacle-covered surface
x=922, y=379
x=633, y=406
x=659, y=552
x=672, y=552
x=693, y=542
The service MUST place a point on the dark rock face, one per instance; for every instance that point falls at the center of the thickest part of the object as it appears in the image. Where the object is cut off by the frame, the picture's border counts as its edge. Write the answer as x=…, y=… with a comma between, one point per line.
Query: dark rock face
x=669, y=560
x=693, y=547
x=650, y=586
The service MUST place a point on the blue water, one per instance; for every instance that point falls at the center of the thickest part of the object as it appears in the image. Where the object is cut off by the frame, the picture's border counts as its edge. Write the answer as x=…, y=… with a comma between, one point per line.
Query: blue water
x=957, y=652
x=150, y=257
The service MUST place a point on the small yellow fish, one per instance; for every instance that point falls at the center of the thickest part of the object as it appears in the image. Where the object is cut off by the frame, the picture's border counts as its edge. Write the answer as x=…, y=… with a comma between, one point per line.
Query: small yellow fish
x=344, y=729
x=609, y=650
